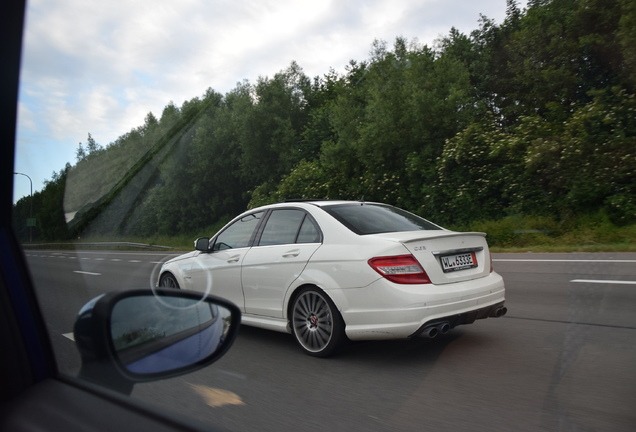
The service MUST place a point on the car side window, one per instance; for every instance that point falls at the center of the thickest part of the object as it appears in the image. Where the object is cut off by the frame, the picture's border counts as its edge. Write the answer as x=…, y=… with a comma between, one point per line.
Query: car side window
x=238, y=234
x=309, y=232
x=289, y=226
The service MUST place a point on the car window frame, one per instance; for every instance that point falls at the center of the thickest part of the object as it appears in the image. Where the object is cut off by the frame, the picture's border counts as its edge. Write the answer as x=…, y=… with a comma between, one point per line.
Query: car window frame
x=309, y=217
x=306, y=216
x=260, y=229
x=253, y=235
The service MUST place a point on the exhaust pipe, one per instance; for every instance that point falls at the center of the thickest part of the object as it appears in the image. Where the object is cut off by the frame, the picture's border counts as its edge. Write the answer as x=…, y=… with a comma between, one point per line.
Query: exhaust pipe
x=434, y=330
x=430, y=332
x=443, y=328
x=499, y=312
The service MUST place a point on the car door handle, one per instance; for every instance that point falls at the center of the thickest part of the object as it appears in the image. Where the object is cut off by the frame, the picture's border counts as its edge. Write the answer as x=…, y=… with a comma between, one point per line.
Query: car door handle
x=234, y=259
x=291, y=254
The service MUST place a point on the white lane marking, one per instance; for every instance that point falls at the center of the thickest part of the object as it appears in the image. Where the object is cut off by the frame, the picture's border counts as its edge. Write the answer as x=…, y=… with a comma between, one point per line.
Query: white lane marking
x=562, y=260
x=101, y=259
x=87, y=273
x=70, y=336
x=604, y=281
x=163, y=254
x=98, y=259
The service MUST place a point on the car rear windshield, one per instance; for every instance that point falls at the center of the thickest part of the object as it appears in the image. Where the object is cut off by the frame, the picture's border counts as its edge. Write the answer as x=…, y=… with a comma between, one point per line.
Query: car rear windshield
x=365, y=219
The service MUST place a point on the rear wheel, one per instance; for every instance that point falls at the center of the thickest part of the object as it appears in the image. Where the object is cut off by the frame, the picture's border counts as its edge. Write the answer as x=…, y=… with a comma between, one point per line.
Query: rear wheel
x=167, y=280
x=316, y=323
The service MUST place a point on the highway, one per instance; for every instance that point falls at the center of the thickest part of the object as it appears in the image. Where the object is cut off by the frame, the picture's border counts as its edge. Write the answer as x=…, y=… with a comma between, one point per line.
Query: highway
x=562, y=359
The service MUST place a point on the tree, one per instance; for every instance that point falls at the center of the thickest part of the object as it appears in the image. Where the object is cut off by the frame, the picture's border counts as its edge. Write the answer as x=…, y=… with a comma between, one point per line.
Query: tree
x=271, y=141
x=533, y=115
x=92, y=146
x=80, y=153
x=479, y=175
x=590, y=164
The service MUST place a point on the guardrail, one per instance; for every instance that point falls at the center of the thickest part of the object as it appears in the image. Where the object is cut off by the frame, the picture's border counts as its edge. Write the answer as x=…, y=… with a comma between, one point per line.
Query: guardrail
x=95, y=245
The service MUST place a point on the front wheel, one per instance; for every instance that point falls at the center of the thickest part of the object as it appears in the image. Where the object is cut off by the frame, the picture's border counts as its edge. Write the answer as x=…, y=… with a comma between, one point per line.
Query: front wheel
x=316, y=323
x=167, y=280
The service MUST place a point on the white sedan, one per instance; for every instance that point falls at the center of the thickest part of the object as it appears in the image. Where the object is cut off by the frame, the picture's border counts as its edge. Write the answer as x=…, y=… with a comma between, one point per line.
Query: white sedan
x=326, y=271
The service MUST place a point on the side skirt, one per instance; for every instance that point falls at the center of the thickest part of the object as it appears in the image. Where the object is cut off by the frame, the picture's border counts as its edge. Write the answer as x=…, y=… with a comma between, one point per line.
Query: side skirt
x=275, y=324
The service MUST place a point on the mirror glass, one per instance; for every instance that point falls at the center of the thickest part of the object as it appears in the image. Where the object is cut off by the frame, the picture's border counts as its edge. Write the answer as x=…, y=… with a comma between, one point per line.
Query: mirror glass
x=153, y=334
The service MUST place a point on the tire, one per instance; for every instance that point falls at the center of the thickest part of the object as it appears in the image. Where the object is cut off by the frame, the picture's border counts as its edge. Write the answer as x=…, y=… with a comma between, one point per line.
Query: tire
x=167, y=280
x=316, y=323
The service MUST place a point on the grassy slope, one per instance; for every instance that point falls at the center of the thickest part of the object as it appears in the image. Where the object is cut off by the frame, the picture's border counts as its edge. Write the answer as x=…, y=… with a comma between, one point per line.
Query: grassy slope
x=514, y=234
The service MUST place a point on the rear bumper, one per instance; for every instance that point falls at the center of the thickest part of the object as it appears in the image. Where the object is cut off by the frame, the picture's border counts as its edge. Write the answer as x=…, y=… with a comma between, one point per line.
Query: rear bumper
x=384, y=310
x=452, y=321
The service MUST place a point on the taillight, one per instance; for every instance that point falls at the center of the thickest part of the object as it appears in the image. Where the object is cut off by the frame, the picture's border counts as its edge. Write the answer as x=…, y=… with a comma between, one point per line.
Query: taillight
x=402, y=269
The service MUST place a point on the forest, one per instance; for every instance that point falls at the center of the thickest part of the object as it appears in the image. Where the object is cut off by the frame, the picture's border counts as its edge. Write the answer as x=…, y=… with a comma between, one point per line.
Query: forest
x=532, y=117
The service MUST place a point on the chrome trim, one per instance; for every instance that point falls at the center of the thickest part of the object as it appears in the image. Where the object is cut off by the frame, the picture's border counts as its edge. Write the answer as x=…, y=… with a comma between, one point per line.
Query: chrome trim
x=457, y=251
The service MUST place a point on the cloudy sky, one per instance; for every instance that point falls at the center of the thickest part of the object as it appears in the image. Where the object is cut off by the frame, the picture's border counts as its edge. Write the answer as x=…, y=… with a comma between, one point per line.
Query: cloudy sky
x=99, y=67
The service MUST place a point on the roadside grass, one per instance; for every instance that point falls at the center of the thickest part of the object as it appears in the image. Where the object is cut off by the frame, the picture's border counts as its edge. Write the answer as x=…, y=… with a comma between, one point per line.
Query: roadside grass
x=514, y=234
x=618, y=248
x=181, y=242
x=586, y=233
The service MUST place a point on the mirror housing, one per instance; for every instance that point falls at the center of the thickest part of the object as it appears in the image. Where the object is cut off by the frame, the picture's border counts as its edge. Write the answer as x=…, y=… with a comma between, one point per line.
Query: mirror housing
x=126, y=337
x=202, y=244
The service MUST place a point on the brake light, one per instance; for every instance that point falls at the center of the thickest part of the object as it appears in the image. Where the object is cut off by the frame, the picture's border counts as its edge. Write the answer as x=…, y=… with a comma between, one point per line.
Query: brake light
x=402, y=269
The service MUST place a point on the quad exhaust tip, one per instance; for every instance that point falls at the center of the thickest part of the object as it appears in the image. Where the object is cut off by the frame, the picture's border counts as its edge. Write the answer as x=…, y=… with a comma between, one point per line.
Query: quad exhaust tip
x=442, y=328
x=430, y=332
x=499, y=312
x=436, y=329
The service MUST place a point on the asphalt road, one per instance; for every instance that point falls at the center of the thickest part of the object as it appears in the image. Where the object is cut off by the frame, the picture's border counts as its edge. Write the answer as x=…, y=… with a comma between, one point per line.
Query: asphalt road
x=563, y=359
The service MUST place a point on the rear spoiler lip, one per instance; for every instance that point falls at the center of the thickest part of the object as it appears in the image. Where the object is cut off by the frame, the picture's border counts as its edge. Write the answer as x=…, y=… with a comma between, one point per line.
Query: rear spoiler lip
x=450, y=234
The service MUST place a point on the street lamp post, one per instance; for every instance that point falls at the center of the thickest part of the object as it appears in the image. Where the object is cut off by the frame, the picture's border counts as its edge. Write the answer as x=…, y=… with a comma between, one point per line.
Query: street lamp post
x=30, y=224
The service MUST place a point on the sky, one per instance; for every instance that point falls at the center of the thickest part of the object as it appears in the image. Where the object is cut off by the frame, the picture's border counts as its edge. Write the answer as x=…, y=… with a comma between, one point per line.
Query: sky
x=99, y=67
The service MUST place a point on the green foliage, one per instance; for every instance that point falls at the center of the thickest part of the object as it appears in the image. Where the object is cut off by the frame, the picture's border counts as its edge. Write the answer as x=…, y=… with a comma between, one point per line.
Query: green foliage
x=271, y=132
x=626, y=37
x=533, y=117
x=308, y=180
x=478, y=173
x=46, y=207
x=586, y=230
x=599, y=156
x=588, y=162
x=518, y=231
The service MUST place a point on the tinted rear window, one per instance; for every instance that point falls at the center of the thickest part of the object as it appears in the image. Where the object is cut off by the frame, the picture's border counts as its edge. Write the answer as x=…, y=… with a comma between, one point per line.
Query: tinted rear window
x=375, y=219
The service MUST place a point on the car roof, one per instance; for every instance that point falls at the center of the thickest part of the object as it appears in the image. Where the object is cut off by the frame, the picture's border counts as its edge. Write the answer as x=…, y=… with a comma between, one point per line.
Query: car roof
x=308, y=203
x=325, y=202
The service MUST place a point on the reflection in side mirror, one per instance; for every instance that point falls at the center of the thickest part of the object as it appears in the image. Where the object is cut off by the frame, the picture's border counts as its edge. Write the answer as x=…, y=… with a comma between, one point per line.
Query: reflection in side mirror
x=143, y=335
x=202, y=244
x=159, y=334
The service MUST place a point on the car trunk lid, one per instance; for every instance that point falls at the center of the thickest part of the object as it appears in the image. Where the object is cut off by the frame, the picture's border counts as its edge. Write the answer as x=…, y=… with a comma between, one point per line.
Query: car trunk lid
x=447, y=256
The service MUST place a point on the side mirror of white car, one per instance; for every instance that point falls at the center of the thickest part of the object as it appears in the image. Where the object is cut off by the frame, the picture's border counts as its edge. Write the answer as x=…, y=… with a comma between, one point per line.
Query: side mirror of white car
x=134, y=336
x=202, y=244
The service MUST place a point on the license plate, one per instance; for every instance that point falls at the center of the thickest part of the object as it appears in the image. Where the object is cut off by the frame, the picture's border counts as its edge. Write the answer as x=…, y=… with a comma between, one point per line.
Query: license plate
x=451, y=263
